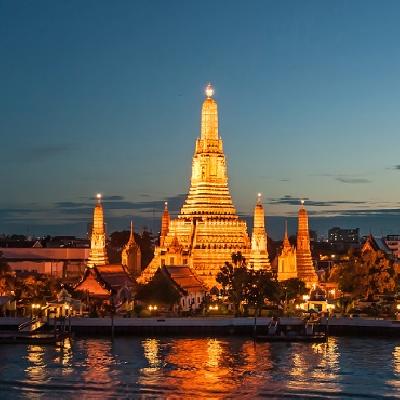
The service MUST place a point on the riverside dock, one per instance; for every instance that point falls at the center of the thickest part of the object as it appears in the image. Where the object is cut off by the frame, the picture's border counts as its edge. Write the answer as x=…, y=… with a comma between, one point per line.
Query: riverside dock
x=209, y=326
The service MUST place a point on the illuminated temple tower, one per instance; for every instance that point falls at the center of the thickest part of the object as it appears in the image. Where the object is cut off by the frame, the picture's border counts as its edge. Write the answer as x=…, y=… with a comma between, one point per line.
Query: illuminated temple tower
x=207, y=230
x=98, y=251
x=305, y=266
x=259, y=252
x=287, y=264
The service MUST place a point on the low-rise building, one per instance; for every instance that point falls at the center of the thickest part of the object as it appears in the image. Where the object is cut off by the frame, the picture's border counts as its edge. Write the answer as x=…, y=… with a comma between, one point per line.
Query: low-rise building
x=58, y=261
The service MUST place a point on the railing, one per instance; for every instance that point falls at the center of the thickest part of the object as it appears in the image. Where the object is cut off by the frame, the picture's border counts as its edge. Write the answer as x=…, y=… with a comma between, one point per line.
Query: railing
x=34, y=324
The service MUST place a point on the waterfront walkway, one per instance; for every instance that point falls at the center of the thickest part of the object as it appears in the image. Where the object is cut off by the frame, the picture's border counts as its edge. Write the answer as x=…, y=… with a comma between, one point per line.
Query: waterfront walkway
x=210, y=325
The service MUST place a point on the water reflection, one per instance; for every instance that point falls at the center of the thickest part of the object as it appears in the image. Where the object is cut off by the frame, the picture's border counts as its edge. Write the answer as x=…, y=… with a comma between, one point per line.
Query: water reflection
x=201, y=368
x=99, y=370
x=36, y=370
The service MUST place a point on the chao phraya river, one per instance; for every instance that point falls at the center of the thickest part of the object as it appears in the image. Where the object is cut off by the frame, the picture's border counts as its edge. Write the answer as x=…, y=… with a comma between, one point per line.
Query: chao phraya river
x=209, y=368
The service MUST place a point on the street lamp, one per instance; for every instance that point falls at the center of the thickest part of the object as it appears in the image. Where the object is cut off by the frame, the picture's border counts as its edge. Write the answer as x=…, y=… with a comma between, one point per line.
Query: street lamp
x=306, y=297
x=35, y=306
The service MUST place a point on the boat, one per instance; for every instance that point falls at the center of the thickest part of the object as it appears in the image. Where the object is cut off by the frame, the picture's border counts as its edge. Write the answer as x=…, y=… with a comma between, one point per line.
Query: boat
x=306, y=333
x=28, y=338
x=316, y=338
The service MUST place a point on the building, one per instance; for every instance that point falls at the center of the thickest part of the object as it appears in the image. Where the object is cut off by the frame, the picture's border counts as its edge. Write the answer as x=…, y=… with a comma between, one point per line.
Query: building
x=207, y=230
x=191, y=289
x=55, y=261
x=344, y=236
x=103, y=281
x=305, y=266
x=131, y=255
x=373, y=244
x=393, y=243
x=287, y=261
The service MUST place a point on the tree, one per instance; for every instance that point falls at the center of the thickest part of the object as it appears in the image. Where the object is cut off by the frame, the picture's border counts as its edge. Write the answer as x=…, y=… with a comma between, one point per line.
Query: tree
x=234, y=279
x=290, y=290
x=160, y=290
x=365, y=276
x=261, y=285
x=4, y=267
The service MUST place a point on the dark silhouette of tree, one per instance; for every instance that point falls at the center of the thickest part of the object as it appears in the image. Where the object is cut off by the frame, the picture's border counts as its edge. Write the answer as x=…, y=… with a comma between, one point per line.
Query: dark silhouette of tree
x=4, y=267
x=261, y=286
x=365, y=276
x=160, y=290
x=234, y=280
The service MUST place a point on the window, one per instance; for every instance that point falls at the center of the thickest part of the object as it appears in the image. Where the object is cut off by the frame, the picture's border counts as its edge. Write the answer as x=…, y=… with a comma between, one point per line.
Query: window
x=172, y=260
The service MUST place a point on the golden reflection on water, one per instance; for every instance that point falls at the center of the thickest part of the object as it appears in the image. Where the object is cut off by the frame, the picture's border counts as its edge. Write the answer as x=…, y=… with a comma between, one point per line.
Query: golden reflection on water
x=36, y=371
x=396, y=360
x=151, y=353
x=98, y=363
x=213, y=366
x=317, y=365
x=396, y=369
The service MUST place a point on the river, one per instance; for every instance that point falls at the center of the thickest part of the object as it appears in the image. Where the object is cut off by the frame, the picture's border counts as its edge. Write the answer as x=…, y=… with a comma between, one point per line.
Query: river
x=211, y=368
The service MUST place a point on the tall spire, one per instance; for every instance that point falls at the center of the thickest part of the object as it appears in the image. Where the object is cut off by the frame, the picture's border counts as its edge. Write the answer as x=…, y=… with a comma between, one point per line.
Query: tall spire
x=209, y=116
x=131, y=254
x=164, y=224
x=132, y=234
x=286, y=243
x=259, y=253
x=209, y=195
x=98, y=251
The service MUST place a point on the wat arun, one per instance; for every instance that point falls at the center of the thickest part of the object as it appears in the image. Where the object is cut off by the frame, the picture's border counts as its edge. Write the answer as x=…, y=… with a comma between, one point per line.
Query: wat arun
x=208, y=230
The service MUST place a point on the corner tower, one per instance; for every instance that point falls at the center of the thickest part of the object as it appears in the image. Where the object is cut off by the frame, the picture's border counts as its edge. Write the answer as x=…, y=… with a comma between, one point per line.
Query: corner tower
x=305, y=266
x=98, y=251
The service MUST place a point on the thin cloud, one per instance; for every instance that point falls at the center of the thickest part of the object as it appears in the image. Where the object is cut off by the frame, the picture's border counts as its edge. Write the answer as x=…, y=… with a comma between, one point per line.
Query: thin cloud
x=290, y=200
x=352, y=180
x=109, y=198
x=46, y=152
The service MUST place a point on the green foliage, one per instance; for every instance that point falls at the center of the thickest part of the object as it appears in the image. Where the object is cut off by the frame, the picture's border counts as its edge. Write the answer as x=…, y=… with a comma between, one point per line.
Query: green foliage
x=160, y=290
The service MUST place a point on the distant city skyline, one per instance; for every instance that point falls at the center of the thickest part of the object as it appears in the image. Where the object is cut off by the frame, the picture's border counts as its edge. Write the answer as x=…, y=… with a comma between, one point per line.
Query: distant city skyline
x=106, y=98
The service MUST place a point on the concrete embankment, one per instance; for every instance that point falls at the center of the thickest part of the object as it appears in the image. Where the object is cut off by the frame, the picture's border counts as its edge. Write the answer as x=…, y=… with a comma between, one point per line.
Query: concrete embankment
x=210, y=326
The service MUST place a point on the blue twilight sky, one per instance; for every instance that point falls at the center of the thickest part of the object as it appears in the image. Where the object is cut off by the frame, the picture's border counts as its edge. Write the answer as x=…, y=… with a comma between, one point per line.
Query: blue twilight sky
x=105, y=96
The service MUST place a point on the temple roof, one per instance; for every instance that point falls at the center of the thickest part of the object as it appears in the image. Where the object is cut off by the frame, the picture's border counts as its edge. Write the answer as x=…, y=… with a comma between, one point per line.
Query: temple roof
x=103, y=280
x=183, y=277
